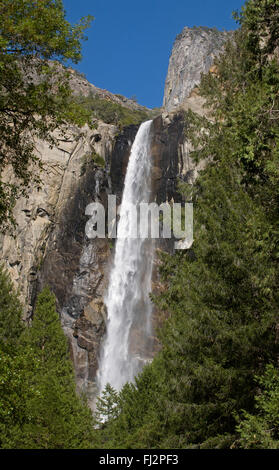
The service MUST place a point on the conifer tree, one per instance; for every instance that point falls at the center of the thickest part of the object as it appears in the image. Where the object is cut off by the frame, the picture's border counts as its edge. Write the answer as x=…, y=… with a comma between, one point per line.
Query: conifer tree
x=261, y=430
x=15, y=362
x=60, y=419
x=39, y=406
x=106, y=406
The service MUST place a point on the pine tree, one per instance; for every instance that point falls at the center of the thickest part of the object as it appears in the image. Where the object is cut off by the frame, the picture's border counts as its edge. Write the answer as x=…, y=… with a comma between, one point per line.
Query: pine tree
x=60, y=419
x=11, y=312
x=39, y=407
x=15, y=363
x=106, y=406
x=261, y=430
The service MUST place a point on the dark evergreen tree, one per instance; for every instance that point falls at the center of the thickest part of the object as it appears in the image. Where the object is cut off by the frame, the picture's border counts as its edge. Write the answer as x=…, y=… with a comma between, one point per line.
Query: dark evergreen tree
x=106, y=405
x=60, y=419
x=261, y=429
x=11, y=313
x=15, y=363
x=39, y=407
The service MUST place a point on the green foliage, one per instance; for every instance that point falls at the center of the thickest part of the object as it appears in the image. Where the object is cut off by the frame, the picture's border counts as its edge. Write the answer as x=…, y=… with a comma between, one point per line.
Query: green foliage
x=10, y=311
x=39, y=407
x=94, y=158
x=15, y=361
x=98, y=160
x=59, y=418
x=220, y=298
x=261, y=430
x=224, y=311
x=260, y=21
x=136, y=416
x=106, y=406
x=35, y=96
x=40, y=27
x=110, y=112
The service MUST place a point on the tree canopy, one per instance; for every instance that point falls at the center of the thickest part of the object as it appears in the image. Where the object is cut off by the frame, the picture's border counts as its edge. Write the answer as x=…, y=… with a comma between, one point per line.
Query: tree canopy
x=36, y=41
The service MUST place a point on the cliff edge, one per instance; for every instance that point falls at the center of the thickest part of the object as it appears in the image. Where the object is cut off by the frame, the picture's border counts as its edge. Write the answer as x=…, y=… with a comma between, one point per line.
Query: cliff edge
x=193, y=53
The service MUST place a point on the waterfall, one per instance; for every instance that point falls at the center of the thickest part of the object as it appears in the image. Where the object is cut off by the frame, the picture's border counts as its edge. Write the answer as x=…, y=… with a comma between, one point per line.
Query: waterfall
x=128, y=339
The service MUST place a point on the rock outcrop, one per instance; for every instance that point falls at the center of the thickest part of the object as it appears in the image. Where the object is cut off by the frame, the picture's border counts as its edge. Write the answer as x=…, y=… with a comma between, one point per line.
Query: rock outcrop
x=193, y=53
x=81, y=87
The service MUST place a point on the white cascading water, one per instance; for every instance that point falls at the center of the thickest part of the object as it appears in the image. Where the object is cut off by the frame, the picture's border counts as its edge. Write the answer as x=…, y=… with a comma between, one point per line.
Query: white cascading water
x=128, y=340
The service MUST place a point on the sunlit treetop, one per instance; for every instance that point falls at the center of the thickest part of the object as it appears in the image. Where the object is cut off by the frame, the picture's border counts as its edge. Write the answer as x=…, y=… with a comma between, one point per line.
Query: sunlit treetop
x=39, y=27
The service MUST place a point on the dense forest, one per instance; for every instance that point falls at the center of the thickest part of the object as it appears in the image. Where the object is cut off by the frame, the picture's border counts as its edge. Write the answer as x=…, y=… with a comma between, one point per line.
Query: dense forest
x=215, y=381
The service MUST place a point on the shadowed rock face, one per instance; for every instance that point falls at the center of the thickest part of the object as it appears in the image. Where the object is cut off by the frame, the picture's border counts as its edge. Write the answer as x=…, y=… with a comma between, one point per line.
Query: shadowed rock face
x=67, y=241
x=168, y=134
x=193, y=53
x=119, y=159
x=77, y=268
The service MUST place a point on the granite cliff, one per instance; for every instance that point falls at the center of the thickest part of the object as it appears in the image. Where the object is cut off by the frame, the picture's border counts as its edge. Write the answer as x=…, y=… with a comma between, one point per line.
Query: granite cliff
x=193, y=53
x=50, y=246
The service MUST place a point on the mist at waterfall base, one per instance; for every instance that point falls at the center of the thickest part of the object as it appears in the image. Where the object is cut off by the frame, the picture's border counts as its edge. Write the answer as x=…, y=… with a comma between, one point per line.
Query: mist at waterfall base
x=128, y=339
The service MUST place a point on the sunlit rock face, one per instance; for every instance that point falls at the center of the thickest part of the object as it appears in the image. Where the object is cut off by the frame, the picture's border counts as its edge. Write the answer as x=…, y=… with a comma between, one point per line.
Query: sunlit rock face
x=193, y=53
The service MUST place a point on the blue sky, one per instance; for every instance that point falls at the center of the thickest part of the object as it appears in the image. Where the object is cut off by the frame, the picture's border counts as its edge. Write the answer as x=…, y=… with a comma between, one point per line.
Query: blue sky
x=130, y=41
